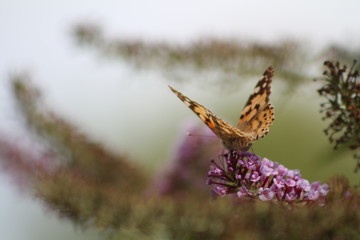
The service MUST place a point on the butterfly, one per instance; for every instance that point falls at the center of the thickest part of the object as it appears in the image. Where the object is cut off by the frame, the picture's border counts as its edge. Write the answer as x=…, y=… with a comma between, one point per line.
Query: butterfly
x=255, y=120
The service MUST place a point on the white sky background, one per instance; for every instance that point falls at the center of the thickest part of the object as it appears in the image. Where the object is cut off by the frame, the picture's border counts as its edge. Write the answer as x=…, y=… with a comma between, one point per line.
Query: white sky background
x=34, y=36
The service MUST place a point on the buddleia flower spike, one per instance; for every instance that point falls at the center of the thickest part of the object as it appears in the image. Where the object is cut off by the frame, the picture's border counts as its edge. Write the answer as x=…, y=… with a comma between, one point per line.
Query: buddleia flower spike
x=246, y=175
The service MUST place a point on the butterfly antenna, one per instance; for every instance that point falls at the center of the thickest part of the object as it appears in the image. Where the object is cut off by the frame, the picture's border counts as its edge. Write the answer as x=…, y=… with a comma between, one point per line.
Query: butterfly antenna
x=198, y=135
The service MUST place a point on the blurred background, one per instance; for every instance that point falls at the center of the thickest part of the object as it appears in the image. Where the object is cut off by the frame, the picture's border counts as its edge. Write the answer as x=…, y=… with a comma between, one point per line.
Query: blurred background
x=127, y=105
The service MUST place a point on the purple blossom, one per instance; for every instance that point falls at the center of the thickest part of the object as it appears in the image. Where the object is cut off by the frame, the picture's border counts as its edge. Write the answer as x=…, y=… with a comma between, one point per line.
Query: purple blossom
x=266, y=194
x=282, y=170
x=293, y=173
x=278, y=191
x=215, y=172
x=255, y=176
x=303, y=184
x=324, y=189
x=279, y=182
x=266, y=170
x=246, y=175
x=290, y=182
x=291, y=196
x=243, y=192
x=221, y=191
x=313, y=194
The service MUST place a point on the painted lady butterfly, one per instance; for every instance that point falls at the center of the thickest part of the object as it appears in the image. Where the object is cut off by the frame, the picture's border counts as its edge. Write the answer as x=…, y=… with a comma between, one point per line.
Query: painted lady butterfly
x=255, y=120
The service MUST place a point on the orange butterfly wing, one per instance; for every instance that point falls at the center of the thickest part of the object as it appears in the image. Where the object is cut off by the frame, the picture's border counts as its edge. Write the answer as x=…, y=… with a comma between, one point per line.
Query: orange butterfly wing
x=258, y=113
x=221, y=128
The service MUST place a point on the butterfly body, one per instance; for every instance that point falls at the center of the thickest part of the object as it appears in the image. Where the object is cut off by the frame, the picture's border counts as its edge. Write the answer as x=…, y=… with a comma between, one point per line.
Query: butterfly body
x=254, y=122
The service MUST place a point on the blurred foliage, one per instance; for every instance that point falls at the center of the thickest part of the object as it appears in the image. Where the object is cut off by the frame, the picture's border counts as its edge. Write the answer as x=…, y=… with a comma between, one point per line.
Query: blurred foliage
x=226, y=59
x=342, y=92
x=87, y=159
x=342, y=54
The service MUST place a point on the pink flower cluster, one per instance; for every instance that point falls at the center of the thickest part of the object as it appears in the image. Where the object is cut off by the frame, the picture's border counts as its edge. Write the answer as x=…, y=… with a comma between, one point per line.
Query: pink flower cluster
x=247, y=175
